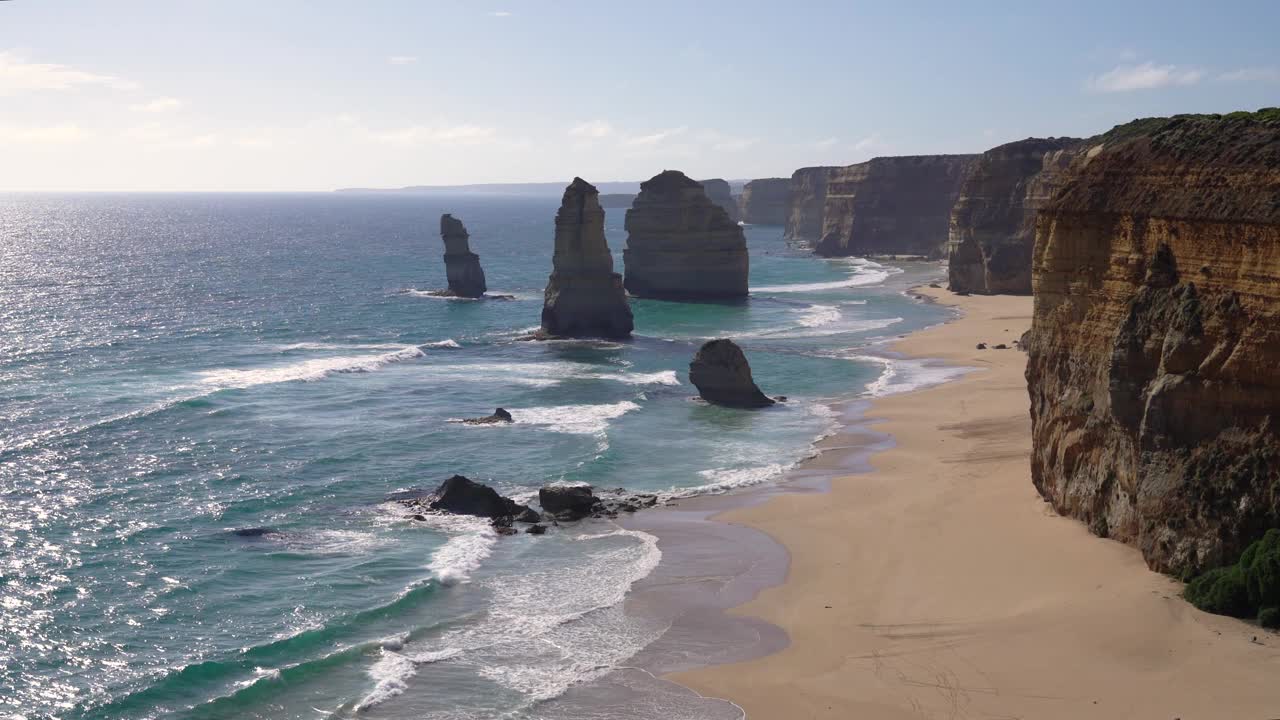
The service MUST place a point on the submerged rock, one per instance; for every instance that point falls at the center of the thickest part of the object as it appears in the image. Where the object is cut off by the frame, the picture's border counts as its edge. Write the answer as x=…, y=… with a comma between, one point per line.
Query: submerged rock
x=462, y=267
x=568, y=502
x=584, y=296
x=722, y=375
x=255, y=532
x=461, y=496
x=681, y=245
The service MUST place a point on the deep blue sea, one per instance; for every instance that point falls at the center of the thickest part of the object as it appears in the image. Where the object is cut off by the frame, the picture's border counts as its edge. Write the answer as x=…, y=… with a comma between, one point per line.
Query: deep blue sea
x=177, y=367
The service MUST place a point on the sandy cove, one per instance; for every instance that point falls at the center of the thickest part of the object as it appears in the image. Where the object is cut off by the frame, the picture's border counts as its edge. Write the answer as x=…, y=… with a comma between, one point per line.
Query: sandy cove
x=940, y=585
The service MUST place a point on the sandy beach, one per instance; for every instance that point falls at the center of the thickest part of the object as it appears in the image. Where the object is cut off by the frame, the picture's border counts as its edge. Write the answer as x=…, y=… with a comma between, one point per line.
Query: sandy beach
x=940, y=585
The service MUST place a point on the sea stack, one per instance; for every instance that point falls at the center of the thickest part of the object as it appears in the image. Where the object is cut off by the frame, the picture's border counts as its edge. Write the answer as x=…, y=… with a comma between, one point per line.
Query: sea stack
x=766, y=201
x=722, y=375
x=807, y=193
x=721, y=194
x=681, y=245
x=584, y=296
x=461, y=266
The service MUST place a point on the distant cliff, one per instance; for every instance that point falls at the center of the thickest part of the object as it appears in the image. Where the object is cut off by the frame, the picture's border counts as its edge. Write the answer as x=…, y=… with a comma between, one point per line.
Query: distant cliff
x=1155, y=399
x=722, y=194
x=993, y=223
x=766, y=201
x=892, y=205
x=808, y=193
x=681, y=245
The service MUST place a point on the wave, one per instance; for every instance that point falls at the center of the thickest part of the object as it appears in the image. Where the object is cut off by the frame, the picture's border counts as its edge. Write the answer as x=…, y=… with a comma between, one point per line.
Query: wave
x=908, y=374
x=450, y=343
x=574, y=419
x=792, y=332
x=819, y=315
x=306, y=370
x=548, y=374
x=392, y=671
x=722, y=480
x=865, y=272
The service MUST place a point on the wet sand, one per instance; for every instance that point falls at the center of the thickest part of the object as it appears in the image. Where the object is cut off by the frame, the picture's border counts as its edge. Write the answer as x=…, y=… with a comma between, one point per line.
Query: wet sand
x=939, y=585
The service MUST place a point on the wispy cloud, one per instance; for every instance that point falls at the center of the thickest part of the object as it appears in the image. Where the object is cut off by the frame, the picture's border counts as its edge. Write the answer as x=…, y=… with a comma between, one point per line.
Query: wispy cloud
x=43, y=135
x=1146, y=76
x=17, y=75
x=591, y=130
x=402, y=59
x=827, y=143
x=429, y=134
x=872, y=143
x=159, y=105
x=654, y=138
x=499, y=13
x=1251, y=75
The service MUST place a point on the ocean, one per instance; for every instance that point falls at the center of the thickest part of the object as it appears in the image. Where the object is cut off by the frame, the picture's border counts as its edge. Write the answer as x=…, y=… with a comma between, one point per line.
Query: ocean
x=178, y=367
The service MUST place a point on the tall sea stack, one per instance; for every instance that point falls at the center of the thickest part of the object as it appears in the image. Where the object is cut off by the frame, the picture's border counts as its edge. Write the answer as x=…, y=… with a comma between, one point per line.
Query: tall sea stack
x=584, y=296
x=808, y=196
x=681, y=245
x=993, y=224
x=1155, y=401
x=766, y=201
x=721, y=194
x=461, y=266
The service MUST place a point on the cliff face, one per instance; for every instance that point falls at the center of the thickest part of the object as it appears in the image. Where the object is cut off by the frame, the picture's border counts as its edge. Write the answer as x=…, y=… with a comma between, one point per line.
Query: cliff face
x=808, y=191
x=1155, y=399
x=892, y=205
x=721, y=194
x=461, y=266
x=680, y=244
x=584, y=296
x=993, y=222
x=766, y=202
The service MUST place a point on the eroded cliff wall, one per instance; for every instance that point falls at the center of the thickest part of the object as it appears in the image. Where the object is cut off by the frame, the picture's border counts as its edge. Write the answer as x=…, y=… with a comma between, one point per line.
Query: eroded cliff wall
x=1155, y=395
x=993, y=223
x=766, y=201
x=808, y=192
x=892, y=205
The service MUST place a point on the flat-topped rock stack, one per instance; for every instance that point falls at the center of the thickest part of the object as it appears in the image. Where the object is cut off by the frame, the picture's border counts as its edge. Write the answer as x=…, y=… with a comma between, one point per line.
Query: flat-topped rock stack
x=721, y=194
x=681, y=244
x=584, y=296
x=461, y=266
x=766, y=201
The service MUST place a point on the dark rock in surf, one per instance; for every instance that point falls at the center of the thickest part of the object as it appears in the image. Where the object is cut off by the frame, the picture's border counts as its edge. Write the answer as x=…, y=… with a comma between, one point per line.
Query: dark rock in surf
x=461, y=496
x=462, y=267
x=568, y=502
x=255, y=532
x=499, y=416
x=536, y=529
x=722, y=375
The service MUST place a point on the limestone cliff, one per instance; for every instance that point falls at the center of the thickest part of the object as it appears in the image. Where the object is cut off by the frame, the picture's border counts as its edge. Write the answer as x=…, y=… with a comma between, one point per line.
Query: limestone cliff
x=461, y=266
x=721, y=194
x=766, y=201
x=892, y=205
x=584, y=296
x=681, y=245
x=993, y=222
x=1155, y=399
x=808, y=192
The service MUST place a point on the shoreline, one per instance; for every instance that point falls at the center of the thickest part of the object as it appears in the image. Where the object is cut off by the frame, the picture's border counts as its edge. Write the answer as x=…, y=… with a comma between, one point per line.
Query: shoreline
x=931, y=580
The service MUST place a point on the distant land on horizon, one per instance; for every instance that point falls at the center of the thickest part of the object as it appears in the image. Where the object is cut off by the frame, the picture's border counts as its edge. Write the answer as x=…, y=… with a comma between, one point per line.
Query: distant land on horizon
x=532, y=189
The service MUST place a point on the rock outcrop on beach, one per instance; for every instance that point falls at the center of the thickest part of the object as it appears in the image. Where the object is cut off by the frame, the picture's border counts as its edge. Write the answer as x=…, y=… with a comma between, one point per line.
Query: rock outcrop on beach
x=993, y=223
x=808, y=196
x=461, y=496
x=681, y=245
x=722, y=375
x=499, y=416
x=721, y=194
x=766, y=201
x=1155, y=400
x=892, y=205
x=568, y=502
x=584, y=296
x=462, y=267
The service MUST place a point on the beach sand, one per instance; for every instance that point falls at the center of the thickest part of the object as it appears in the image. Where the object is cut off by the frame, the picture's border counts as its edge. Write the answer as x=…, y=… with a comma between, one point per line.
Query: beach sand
x=940, y=585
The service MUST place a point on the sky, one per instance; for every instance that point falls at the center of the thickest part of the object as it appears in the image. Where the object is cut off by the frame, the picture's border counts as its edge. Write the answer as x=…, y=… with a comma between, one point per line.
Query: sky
x=256, y=95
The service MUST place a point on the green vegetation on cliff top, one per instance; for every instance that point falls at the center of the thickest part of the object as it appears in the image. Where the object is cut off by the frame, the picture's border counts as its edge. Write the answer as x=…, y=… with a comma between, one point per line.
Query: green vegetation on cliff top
x=1154, y=125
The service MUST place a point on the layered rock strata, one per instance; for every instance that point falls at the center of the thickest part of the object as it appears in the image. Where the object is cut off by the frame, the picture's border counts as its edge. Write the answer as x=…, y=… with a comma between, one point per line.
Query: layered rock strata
x=993, y=223
x=722, y=375
x=681, y=245
x=766, y=201
x=1155, y=400
x=808, y=196
x=584, y=296
x=461, y=266
x=892, y=205
x=721, y=194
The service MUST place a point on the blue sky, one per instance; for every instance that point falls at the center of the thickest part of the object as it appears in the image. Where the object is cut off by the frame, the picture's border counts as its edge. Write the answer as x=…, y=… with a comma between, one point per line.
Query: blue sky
x=318, y=94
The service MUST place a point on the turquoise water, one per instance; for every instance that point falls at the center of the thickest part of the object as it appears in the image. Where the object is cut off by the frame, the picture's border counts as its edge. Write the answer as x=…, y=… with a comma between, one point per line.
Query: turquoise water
x=177, y=367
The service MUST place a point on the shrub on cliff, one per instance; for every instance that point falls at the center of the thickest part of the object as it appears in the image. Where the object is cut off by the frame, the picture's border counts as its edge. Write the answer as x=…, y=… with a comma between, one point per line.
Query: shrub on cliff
x=1249, y=588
